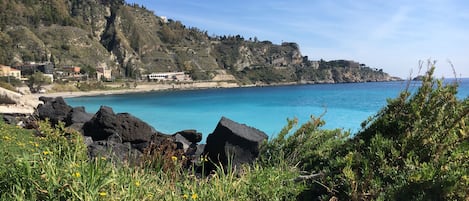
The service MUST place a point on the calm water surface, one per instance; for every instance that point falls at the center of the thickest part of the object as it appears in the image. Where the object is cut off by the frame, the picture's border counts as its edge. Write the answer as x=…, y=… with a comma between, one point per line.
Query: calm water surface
x=266, y=108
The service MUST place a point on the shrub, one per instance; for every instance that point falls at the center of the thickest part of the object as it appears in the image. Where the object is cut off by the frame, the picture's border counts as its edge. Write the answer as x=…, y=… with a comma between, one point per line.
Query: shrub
x=415, y=148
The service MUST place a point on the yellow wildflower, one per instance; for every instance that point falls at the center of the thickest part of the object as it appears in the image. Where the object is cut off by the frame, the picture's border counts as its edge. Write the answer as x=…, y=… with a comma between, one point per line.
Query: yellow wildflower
x=204, y=158
x=174, y=158
x=102, y=194
x=46, y=152
x=194, y=196
x=185, y=196
x=76, y=174
x=137, y=183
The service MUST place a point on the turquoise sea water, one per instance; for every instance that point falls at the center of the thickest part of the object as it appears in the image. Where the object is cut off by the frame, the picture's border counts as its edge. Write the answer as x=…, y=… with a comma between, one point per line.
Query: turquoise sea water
x=266, y=108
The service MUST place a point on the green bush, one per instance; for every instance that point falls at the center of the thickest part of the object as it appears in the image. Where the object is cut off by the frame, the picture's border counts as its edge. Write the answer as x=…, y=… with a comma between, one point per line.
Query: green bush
x=415, y=148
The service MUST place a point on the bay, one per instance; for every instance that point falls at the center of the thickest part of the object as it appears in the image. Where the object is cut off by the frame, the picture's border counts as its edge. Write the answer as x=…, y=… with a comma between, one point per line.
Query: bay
x=343, y=106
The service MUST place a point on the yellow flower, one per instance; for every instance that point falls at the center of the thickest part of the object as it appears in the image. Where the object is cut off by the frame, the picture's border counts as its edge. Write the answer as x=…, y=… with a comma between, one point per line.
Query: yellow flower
x=149, y=195
x=194, y=196
x=76, y=174
x=204, y=158
x=174, y=158
x=185, y=196
x=46, y=152
x=137, y=183
x=102, y=194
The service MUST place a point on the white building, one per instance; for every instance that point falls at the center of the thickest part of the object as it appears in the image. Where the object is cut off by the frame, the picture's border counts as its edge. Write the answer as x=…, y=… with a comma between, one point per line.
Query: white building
x=175, y=76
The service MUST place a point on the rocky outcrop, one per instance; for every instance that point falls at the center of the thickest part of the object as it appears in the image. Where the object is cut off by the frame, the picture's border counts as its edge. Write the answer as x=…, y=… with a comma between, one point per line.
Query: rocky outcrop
x=106, y=123
x=233, y=141
x=126, y=138
x=54, y=109
x=77, y=115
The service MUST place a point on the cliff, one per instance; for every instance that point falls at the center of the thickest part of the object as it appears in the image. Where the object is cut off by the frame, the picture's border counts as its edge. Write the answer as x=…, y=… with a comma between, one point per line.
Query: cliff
x=133, y=41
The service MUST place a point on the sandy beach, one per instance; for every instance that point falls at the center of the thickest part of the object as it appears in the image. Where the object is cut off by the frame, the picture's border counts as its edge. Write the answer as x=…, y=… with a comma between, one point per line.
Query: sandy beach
x=143, y=88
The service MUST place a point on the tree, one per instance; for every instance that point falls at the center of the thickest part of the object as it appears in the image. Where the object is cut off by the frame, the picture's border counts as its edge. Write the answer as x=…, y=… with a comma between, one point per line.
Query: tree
x=36, y=81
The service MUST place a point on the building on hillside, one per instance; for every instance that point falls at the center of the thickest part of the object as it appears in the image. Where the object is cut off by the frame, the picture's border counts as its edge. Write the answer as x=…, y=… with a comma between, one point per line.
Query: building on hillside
x=69, y=73
x=30, y=68
x=72, y=71
x=104, y=73
x=174, y=76
x=9, y=71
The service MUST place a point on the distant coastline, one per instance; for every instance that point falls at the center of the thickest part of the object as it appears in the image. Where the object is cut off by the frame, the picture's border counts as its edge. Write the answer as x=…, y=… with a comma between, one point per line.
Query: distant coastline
x=150, y=87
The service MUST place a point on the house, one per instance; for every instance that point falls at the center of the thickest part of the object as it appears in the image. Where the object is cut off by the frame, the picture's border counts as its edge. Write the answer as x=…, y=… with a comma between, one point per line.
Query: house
x=103, y=73
x=71, y=71
x=9, y=71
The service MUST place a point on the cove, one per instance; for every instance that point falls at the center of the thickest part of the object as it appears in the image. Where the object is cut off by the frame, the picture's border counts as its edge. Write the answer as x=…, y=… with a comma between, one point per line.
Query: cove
x=343, y=106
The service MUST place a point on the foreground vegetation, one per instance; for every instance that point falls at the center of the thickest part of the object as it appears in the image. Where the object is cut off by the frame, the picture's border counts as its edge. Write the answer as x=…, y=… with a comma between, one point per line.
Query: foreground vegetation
x=415, y=148
x=55, y=166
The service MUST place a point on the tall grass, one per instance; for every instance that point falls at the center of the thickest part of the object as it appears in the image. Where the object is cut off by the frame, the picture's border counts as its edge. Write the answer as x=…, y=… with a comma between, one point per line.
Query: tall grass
x=52, y=164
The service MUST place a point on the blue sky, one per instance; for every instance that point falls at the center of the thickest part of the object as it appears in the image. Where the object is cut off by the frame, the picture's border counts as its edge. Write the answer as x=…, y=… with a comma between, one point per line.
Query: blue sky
x=392, y=35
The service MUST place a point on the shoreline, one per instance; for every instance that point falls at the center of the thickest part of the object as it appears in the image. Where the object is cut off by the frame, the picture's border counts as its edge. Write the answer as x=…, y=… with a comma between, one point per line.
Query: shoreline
x=154, y=87
x=142, y=88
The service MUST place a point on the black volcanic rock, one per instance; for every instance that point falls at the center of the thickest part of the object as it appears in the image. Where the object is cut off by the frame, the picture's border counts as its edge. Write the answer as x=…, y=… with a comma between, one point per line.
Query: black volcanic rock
x=119, y=152
x=190, y=135
x=54, y=109
x=233, y=140
x=106, y=123
x=77, y=115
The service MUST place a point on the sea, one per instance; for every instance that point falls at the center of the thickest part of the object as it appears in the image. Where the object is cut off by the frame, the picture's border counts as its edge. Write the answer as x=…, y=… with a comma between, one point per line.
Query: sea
x=343, y=106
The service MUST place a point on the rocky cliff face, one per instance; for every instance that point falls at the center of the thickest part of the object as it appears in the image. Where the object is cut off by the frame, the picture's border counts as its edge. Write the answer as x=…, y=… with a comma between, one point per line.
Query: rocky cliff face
x=133, y=41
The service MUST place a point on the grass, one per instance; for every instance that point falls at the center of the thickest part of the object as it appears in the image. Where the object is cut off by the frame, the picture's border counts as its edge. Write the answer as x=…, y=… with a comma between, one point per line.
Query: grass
x=53, y=165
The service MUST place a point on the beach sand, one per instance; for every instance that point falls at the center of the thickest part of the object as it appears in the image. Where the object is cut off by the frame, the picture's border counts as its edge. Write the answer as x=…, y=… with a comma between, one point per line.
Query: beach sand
x=143, y=88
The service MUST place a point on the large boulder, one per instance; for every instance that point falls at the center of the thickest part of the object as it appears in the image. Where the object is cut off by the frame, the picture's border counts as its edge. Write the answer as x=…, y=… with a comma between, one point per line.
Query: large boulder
x=232, y=140
x=77, y=115
x=129, y=128
x=54, y=109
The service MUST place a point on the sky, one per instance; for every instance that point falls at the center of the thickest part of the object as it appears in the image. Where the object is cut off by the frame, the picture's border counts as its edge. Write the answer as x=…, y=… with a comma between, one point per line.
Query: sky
x=391, y=35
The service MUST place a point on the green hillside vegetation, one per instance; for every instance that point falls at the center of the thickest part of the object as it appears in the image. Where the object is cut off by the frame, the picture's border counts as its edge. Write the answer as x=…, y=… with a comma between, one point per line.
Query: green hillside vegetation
x=133, y=41
x=415, y=148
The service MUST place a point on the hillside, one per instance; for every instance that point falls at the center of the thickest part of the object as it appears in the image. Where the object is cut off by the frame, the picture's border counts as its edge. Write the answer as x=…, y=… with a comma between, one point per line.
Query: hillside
x=133, y=41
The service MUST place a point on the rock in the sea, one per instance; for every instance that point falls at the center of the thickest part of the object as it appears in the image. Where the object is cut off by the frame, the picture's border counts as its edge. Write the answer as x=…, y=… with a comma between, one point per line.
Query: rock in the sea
x=232, y=140
x=54, y=109
x=106, y=123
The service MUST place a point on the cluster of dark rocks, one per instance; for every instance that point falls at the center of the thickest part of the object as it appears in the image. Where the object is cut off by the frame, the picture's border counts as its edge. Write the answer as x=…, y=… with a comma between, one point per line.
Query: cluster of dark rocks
x=125, y=137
